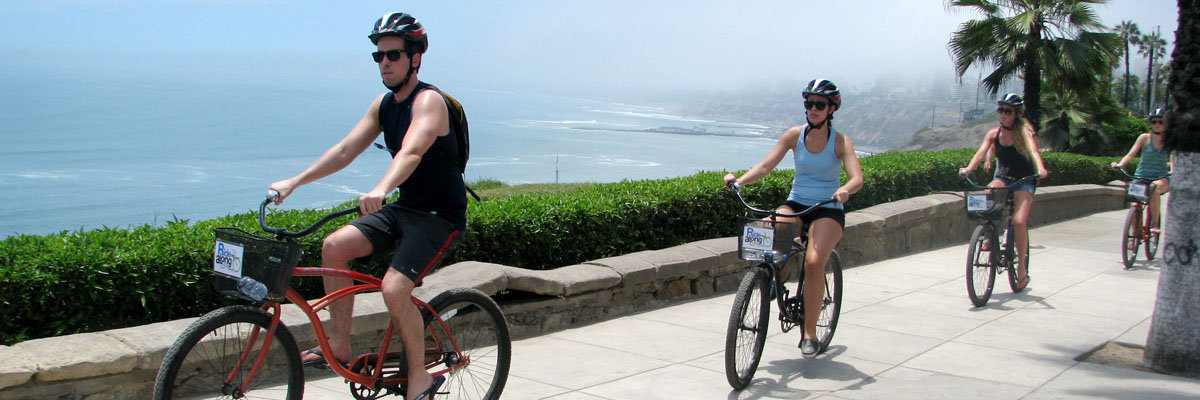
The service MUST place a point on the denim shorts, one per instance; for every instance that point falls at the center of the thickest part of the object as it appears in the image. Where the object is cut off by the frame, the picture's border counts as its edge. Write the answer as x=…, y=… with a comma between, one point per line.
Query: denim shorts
x=1027, y=186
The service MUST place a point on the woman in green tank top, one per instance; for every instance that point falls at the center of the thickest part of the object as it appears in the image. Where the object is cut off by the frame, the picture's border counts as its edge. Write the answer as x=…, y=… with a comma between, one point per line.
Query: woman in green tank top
x=1155, y=162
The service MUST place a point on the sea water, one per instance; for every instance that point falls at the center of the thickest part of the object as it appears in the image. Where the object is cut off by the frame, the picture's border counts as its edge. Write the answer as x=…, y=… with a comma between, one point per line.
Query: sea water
x=117, y=150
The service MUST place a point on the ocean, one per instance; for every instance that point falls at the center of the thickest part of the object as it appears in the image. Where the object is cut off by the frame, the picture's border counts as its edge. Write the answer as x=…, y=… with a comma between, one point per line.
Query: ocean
x=119, y=149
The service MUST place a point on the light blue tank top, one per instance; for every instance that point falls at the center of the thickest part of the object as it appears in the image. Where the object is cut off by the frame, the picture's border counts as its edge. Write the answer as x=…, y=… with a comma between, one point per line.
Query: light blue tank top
x=817, y=175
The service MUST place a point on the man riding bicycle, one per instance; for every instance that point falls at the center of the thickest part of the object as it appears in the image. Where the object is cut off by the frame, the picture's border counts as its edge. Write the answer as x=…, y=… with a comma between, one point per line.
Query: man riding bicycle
x=427, y=219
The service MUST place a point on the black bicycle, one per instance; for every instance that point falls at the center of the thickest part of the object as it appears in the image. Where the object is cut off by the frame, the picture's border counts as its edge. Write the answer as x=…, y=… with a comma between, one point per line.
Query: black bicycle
x=769, y=242
x=992, y=251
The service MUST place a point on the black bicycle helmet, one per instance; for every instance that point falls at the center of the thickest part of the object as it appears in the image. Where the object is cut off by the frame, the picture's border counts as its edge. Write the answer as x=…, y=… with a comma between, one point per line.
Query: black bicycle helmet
x=1012, y=99
x=403, y=25
x=1158, y=112
x=824, y=87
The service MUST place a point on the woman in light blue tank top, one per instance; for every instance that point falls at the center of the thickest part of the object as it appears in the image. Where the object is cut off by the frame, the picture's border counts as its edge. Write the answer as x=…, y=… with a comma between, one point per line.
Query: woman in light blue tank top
x=1155, y=162
x=819, y=154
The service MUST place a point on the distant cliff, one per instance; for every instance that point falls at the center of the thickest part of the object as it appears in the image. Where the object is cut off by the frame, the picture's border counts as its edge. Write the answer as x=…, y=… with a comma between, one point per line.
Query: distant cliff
x=964, y=136
x=876, y=123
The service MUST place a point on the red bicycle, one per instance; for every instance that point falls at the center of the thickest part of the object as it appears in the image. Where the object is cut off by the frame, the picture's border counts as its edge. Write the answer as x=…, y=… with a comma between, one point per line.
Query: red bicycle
x=243, y=351
x=1137, y=232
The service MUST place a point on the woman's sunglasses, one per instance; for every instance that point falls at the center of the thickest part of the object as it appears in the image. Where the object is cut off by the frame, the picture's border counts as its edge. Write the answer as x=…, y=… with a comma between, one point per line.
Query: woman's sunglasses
x=1005, y=110
x=392, y=55
x=820, y=105
x=1156, y=121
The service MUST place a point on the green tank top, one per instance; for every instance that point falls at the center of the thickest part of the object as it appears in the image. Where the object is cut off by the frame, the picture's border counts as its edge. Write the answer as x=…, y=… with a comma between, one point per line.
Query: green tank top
x=1153, y=163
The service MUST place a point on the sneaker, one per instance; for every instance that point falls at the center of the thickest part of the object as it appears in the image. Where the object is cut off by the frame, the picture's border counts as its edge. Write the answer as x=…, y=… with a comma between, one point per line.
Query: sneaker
x=809, y=348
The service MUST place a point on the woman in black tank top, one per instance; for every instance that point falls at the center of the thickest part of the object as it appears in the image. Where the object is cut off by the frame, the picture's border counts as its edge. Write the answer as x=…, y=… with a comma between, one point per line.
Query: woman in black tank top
x=1017, y=156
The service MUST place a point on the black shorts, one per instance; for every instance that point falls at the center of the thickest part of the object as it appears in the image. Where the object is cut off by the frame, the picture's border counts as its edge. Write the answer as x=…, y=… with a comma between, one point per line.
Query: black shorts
x=416, y=240
x=837, y=214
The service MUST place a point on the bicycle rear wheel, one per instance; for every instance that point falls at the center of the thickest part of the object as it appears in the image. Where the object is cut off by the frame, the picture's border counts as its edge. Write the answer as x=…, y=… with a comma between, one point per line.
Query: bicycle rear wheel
x=831, y=302
x=1152, y=241
x=1132, y=236
x=746, y=333
x=479, y=369
x=981, y=264
x=200, y=362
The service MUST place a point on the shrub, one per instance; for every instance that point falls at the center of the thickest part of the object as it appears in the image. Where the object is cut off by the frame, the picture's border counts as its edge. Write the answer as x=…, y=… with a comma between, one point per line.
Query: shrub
x=102, y=279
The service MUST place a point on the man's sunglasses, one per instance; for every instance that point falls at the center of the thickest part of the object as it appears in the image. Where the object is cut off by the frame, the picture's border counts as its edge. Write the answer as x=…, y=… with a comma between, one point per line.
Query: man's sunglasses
x=820, y=105
x=1005, y=110
x=392, y=55
x=1156, y=121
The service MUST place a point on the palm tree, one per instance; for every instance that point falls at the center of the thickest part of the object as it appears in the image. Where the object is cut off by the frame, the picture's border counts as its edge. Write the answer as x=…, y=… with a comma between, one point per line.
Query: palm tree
x=1079, y=122
x=1175, y=326
x=1062, y=39
x=1129, y=32
x=1151, y=45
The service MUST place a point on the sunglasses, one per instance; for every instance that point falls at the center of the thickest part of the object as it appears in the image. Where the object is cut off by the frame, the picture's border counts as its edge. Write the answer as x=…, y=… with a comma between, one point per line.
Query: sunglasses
x=1156, y=121
x=819, y=105
x=1005, y=110
x=392, y=55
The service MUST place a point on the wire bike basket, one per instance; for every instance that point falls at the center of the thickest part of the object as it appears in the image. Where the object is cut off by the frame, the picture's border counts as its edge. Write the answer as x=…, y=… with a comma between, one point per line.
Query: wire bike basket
x=984, y=206
x=757, y=237
x=1137, y=191
x=238, y=254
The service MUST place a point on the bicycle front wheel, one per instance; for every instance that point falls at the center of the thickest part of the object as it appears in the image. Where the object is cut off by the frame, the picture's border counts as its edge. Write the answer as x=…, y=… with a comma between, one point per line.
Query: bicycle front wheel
x=1152, y=241
x=831, y=302
x=981, y=265
x=746, y=333
x=215, y=356
x=1132, y=236
x=474, y=322
x=1014, y=263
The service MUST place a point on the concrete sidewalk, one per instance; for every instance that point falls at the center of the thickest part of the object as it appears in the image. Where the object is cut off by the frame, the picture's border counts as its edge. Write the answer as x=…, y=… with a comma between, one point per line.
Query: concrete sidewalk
x=907, y=330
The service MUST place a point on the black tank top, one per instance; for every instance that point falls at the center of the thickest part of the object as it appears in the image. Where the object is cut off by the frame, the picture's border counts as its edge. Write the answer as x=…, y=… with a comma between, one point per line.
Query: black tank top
x=1010, y=164
x=436, y=185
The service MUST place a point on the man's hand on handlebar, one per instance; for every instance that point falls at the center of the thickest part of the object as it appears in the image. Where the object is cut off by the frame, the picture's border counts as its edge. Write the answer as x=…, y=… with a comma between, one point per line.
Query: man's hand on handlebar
x=372, y=201
x=731, y=181
x=282, y=190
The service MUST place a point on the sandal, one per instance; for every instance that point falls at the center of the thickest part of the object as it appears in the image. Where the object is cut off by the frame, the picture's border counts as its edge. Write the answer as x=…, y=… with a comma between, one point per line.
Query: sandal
x=433, y=387
x=319, y=362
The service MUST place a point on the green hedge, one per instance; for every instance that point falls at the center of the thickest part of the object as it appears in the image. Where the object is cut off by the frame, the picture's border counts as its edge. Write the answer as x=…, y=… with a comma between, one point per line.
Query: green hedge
x=102, y=279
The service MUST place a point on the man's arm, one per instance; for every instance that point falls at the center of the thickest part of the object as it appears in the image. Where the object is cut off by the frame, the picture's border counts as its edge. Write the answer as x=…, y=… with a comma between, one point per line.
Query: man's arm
x=338, y=156
x=430, y=120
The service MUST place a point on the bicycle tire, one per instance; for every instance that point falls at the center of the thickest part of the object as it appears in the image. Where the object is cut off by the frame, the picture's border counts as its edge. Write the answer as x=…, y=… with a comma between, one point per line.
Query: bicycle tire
x=831, y=302
x=477, y=325
x=1013, y=263
x=1151, y=245
x=1132, y=236
x=981, y=265
x=205, y=354
x=746, y=333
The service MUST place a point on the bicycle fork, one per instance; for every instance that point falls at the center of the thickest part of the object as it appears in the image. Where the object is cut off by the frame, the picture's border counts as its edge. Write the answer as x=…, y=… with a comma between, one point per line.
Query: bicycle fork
x=258, y=360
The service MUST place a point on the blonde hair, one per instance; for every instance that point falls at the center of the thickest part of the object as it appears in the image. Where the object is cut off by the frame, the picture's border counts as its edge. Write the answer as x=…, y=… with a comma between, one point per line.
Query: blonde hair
x=1023, y=130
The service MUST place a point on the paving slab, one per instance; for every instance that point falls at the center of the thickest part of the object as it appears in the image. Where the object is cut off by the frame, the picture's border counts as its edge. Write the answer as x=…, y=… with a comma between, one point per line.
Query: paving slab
x=907, y=331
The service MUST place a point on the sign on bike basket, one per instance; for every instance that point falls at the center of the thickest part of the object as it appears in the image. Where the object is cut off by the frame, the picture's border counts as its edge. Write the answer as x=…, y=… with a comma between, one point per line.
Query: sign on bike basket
x=758, y=237
x=238, y=254
x=981, y=205
x=1137, y=191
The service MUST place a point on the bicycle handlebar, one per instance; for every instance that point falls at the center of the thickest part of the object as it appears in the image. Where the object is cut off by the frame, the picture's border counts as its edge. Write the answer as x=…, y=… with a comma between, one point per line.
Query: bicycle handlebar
x=1014, y=184
x=1131, y=177
x=737, y=190
x=282, y=233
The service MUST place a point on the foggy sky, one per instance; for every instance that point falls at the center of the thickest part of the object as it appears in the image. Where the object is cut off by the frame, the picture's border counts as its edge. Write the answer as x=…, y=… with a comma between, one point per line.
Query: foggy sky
x=544, y=45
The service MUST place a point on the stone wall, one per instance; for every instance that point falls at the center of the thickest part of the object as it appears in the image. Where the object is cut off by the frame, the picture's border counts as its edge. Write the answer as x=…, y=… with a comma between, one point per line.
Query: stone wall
x=122, y=363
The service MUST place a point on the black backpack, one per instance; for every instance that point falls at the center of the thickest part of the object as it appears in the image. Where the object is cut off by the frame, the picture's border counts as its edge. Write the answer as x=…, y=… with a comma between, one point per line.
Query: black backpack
x=458, y=123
